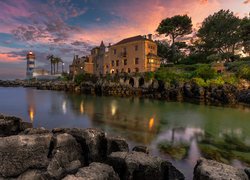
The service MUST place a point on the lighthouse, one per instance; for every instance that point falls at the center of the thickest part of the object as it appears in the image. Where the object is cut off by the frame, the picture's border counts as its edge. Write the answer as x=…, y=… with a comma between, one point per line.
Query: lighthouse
x=30, y=64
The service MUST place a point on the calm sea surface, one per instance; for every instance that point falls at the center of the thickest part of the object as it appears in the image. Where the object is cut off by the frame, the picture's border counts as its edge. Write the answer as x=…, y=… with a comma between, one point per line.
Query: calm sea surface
x=179, y=132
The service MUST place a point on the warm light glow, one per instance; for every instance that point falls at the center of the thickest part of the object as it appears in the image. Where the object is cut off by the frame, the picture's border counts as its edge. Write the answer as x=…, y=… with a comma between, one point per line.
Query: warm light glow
x=113, y=108
x=31, y=114
x=81, y=108
x=151, y=123
x=64, y=109
x=30, y=52
x=151, y=61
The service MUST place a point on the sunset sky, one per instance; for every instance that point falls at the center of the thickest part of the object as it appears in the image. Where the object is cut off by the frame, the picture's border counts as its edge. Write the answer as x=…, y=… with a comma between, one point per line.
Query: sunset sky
x=68, y=27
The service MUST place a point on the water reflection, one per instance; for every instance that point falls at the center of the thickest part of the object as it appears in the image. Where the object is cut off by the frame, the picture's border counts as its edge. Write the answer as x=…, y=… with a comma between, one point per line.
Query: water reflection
x=30, y=97
x=179, y=132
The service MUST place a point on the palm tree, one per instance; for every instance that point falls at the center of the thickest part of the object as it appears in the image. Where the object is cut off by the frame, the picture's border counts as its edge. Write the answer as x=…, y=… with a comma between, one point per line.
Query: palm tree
x=57, y=61
x=51, y=58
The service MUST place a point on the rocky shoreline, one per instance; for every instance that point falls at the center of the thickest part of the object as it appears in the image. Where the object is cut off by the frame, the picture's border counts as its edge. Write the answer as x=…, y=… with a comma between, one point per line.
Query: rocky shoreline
x=73, y=153
x=184, y=92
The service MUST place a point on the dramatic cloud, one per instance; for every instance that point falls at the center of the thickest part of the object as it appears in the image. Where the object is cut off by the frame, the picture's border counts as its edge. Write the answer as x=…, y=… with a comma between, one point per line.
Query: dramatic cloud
x=68, y=27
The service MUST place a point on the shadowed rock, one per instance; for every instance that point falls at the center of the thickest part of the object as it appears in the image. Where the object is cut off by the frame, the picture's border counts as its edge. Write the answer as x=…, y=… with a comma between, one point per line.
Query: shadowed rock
x=117, y=144
x=95, y=171
x=143, y=149
x=10, y=125
x=138, y=165
x=212, y=170
x=66, y=156
x=21, y=152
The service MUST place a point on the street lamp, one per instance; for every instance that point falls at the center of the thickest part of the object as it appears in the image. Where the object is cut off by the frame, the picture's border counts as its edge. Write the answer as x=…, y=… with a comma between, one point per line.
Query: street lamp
x=63, y=67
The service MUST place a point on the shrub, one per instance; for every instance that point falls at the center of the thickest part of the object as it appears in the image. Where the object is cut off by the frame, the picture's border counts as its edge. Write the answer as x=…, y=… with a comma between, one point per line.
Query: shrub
x=199, y=82
x=244, y=72
x=205, y=72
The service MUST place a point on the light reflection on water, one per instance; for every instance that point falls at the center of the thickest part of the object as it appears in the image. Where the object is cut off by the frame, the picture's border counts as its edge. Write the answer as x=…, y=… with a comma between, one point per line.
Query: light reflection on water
x=188, y=130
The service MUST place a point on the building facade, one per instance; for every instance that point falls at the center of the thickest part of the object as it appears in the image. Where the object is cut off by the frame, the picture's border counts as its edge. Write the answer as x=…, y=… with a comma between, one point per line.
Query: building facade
x=134, y=54
x=81, y=65
x=130, y=55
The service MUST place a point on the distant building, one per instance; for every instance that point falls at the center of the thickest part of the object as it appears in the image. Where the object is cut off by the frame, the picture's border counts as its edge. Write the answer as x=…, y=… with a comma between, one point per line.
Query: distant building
x=81, y=65
x=130, y=55
x=30, y=64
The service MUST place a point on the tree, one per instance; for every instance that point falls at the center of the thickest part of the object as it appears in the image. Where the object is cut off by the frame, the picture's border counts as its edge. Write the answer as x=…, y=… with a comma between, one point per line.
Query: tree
x=51, y=59
x=57, y=60
x=175, y=27
x=220, y=32
x=163, y=50
x=245, y=34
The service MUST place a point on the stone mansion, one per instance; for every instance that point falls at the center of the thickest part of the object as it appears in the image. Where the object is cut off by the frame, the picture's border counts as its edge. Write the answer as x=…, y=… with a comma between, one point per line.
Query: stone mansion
x=130, y=55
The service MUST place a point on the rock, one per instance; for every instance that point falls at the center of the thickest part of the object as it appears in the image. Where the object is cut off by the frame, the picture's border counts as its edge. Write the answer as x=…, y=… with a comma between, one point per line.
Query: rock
x=212, y=170
x=21, y=152
x=95, y=171
x=117, y=144
x=32, y=174
x=36, y=131
x=138, y=165
x=66, y=156
x=247, y=171
x=143, y=149
x=10, y=125
x=93, y=142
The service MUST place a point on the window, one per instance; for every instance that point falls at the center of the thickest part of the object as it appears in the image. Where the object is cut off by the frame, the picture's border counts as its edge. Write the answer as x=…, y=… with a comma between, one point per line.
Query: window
x=117, y=62
x=107, y=66
x=122, y=70
x=113, y=63
x=117, y=71
x=136, y=47
x=124, y=49
x=114, y=51
x=125, y=62
x=129, y=70
x=136, y=69
x=136, y=60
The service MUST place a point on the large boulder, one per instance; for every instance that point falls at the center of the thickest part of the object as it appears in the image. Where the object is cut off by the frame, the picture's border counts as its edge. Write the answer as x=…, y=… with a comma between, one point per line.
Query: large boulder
x=10, y=125
x=138, y=165
x=95, y=171
x=93, y=142
x=116, y=144
x=66, y=156
x=213, y=170
x=21, y=152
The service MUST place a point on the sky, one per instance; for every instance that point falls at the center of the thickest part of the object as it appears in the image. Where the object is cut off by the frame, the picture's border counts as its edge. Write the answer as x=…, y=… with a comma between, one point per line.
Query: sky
x=68, y=27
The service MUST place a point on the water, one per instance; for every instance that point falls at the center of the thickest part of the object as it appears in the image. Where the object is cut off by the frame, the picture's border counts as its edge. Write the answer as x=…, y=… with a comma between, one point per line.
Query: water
x=178, y=132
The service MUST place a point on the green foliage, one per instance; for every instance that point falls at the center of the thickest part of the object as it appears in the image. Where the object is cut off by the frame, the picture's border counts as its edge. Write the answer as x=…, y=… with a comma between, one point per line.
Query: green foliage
x=214, y=57
x=199, y=82
x=149, y=75
x=220, y=31
x=245, y=33
x=175, y=26
x=205, y=72
x=195, y=58
x=244, y=72
x=176, y=151
x=85, y=77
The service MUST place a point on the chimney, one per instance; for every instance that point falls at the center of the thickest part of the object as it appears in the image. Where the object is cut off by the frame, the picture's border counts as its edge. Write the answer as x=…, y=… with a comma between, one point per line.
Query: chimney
x=150, y=36
x=76, y=56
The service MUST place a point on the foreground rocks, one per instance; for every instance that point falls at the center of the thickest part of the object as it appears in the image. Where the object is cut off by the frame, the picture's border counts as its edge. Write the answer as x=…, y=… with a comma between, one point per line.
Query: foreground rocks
x=212, y=170
x=64, y=153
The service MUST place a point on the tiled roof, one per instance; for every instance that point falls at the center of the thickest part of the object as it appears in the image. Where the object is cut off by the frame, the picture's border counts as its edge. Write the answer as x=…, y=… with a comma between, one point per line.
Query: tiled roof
x=131, y=39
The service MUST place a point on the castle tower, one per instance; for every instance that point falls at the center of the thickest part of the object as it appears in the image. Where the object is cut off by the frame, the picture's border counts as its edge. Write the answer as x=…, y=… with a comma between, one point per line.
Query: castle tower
x=30, y=64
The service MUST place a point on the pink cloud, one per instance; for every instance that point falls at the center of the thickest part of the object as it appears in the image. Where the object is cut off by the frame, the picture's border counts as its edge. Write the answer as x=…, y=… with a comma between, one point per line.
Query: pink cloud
x=5, y=57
